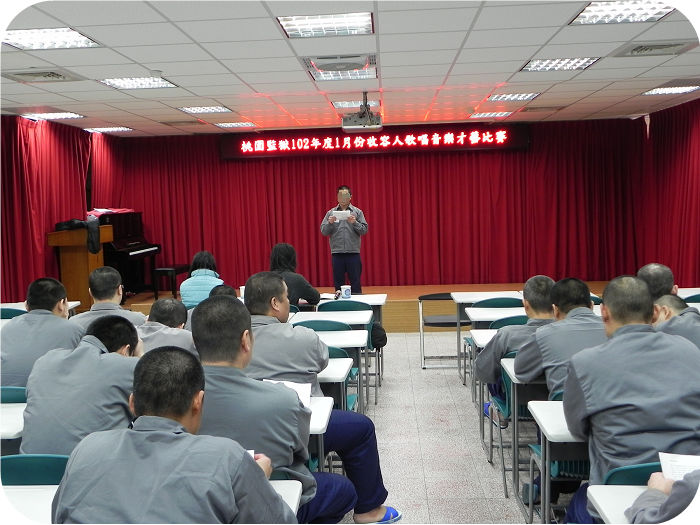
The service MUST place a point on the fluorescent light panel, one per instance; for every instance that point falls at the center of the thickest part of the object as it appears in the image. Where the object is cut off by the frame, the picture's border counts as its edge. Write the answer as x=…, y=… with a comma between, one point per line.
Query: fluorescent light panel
x=491, y=115
x=354, y=104
x=108, y=130
x=51, y=116
x=671, y=90
x=236, y=125
x=354, y=74
x=619, y=12
x=559, y=64
x=507, y=97
x=327, y=25
x=137, y=83
x=58, y=38
x=194, y=110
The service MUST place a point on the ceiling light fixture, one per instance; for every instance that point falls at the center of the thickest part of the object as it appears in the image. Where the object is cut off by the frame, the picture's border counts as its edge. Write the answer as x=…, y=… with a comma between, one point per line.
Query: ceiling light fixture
x=559, y=64
x=51, y=116
x=491, y=115
x=341, y=104
x=619, y=12
x=137, y=83
x=108, y=130
x=58, y=38
x=354, y=74
x=671, y=90
x=327, y=25
x=236, y=125
x=507, y=97
x=205, y=109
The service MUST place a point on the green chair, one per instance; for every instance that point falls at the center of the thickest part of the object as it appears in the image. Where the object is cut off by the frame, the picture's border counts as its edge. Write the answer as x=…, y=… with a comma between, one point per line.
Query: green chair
x=690, y=299
x=596, y=300
x=502, y=408
x=631, y=474
x=437, y=321
x=32, y=469
x=498, y=302
x=293, y=308
x=9, y=313
x=351, y=399
x=508, y=321
x=13, y=394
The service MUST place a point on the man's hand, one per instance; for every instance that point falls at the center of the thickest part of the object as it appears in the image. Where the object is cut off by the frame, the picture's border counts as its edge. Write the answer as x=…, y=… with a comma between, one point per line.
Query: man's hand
x=659, y=482
x=352, y=219
x=264, y=463
x=332, y=219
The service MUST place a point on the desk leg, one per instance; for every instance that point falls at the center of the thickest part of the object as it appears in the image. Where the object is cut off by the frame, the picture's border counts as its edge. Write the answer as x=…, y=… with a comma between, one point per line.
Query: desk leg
x=515, y=449
x=459, y=348
x=545, y=481
x=321, y=453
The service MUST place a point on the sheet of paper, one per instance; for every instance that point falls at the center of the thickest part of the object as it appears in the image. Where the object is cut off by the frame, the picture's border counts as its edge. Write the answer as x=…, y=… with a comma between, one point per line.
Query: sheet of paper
x=675, y=466
x=303, y=390
x=341, y=215
x=327, y=296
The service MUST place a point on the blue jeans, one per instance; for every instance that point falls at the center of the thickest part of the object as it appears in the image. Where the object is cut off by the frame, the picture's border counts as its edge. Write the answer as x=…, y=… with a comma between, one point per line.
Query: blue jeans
x=335, y=497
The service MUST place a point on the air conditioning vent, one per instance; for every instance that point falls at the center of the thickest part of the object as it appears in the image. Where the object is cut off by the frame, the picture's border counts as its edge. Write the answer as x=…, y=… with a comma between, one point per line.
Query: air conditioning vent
x=667, y=48
x=533, y=109
x=33, y=76
x=183, y=123
x=340, y=62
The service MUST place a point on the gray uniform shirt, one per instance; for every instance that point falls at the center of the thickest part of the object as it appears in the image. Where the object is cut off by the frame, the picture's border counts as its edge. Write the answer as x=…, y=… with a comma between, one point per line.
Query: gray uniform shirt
x=26, y=338
x=155, y=335
x=72, y=393
x=265, y=417
x=686, y=324
x=487, y=366
x=159, y=473
x=344, y=237
x=285, y=352
x=634, y=396
x=653, y=506
x=551, y=347
x=102, y=309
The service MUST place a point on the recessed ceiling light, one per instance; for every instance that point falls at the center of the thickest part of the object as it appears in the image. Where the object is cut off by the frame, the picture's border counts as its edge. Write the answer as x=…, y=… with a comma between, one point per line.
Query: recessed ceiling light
x=618, y=12
x=354, y=104
x=559, y=64
x=354, y=74
x=59, y=38
x=327, y=25
x=671, y=90
x=51, y=116
x=512, y=96
x=491, y=115
x=205, y=109
x=236, y=125
x=137, y=83
x=108, y=130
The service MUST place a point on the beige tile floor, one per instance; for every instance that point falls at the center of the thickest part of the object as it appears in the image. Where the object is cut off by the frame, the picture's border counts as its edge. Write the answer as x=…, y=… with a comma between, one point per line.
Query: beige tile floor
x=428, y=436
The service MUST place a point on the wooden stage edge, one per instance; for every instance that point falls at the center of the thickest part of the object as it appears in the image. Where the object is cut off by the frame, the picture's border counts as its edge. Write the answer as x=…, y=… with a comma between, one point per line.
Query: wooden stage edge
x=401, y=310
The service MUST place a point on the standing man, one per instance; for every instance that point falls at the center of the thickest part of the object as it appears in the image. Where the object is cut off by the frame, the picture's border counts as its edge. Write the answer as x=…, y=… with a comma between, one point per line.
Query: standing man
x=344, y=237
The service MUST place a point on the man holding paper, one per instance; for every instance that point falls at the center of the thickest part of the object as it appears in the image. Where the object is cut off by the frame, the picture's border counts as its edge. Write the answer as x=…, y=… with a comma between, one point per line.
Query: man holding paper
x=344, y=225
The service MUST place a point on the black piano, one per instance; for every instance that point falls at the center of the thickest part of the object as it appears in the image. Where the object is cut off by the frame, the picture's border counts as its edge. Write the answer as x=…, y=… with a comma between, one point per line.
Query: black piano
x=129, y=250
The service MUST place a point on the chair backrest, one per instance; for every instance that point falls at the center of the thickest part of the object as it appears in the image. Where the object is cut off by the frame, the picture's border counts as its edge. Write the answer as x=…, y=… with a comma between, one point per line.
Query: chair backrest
x=13, y=394
x=508, y=321
x=324, y=326
x=294, y=308
x=499, y=302
x=631, y=474
x=692, y=298
x=446, y=296
x=505, y=378
x=334, y=352
x=9, y=313
x=343, y=305
x=596, y=300
x=557, y=396
x=32, y=469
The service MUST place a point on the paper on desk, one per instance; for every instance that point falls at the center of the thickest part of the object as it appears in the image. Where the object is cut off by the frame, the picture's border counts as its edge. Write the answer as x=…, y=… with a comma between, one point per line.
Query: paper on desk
x=303, y=390
x=327, y=296
x=341, y=215
x=675, y=466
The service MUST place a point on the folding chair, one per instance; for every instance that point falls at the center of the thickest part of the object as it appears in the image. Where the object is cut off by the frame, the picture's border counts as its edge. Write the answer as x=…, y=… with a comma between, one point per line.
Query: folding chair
x=438, y=321
x=32, y=469
x=631, y=474
x=13, y=394
x=9, y=313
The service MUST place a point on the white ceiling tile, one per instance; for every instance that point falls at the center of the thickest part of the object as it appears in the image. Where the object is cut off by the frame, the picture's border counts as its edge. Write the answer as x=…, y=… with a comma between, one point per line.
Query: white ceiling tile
x=590, y=49
x=32, y=18
x=417, y=71
x=18, y=88
x=611, y=74
x=513, y=16
x=487, y=67
x=500, y=54
x=135, y=34
x=625, y=62
x=671, y=72
x=411, y=95
x=188, y=81
x=510, y=37
x=260, y=65
x=416, y=58
x=233, y=30
x=334, y=45
x=203, y=10
x=318, y=8
x=213, y=91
x=485, y=78
x=686, y=59
x=159, y=94
x=101, y=13
x=81, y=57
x=412, y=82
x=390, y=5
x=14, y=61
x=110, y=71
x=543, y=76
x=422, y=41
x=275, y=77
x=287, y=87
x=312, y=99
x=99, y=95
x=579, y=86
x=436, y=20
x=164, y=53
x=250, y=50
x=79, y=86
x=196, y=67
x=597, y=33
x=670, y=31
x=36, y=98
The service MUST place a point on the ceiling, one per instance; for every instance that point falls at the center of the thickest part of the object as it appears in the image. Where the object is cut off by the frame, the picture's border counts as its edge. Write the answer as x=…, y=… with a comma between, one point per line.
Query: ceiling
x=436, y=62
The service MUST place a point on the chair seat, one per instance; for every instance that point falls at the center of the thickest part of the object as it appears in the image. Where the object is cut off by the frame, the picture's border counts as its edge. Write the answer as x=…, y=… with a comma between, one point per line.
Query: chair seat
x=177, y=268
x=443, y=321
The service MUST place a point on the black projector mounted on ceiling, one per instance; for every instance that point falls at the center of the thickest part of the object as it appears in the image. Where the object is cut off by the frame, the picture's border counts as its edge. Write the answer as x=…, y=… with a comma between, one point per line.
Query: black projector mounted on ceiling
x=362, y=121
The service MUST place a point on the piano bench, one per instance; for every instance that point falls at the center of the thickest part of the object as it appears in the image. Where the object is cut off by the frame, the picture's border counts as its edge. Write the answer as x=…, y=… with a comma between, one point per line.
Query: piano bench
x=172, y=272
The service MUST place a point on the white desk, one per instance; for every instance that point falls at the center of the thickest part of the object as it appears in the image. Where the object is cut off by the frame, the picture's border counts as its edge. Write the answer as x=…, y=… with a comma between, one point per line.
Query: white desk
x=480, y=338
x=12, y=416
x=72, y=305
x=291, y=316
x=481, y=315
x=352, y=341
x=337, y=372
x=290, y=490
x=321, y=408
x=352, y=317
x=375, y=300
x=687, y=292
x=611, y=501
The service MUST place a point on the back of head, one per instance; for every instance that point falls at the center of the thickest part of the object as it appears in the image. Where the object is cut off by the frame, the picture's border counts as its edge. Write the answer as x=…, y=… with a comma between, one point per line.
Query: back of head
x=104, y=282
x=169, y=312
x=537, y=292
x=628, y=300
x=44, y=293
x=260, y=289
x=283, y=257
x=218, y=324
x=114, y=331
x=202, y=261
x=659, y=279
x=672, y=302
x=165, y=381
x=570, y=293
x=223, y=289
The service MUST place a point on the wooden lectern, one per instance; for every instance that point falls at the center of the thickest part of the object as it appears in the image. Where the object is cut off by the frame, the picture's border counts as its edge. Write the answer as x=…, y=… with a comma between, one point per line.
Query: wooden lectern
x=77, y=263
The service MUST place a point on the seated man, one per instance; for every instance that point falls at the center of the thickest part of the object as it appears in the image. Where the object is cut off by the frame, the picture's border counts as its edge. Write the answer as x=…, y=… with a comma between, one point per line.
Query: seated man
x=72, y=393
x=28, y=337
x=159, y=470
x=164, y=327
x=664, y=499
x=676, y=318
x=634, y=396
x=659, y=279
x=295, y=353
x=538, y=308
x=551, y=347
x=106, y=290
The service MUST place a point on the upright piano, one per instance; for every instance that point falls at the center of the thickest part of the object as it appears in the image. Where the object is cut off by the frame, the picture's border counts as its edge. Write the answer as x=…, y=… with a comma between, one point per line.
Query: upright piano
x=129, y=250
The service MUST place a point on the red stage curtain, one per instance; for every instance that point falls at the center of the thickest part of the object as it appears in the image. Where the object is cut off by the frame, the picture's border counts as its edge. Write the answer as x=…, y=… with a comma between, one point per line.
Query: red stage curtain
x=44, y=166
x=563, y=207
